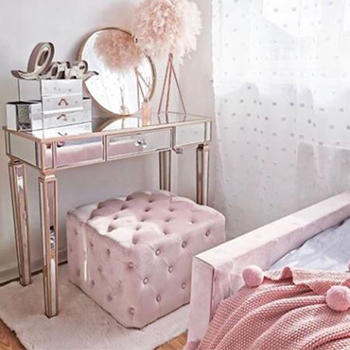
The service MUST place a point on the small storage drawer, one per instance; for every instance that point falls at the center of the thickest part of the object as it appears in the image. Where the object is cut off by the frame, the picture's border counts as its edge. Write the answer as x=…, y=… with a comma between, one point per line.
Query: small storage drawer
x=64, y=118
x=190, y=134
x=24, y=115
x=62, y=103
x=70, y=130
x=61, y=87
x=119, y=146
x=36, y=89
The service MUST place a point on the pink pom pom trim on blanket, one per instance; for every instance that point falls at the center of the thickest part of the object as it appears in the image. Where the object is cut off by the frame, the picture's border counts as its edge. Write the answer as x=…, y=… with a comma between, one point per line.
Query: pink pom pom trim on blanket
x=338, y=298
x=253, y=276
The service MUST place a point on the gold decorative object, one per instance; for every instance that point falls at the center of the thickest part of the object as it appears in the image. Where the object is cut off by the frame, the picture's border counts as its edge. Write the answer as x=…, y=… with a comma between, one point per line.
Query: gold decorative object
x=167, y=28
x=41, y=66
x=169, y=74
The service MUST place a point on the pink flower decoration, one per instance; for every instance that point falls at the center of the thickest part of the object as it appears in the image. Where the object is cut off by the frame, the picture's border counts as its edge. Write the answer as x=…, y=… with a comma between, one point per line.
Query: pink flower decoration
x=162, y=27
x=117, y=50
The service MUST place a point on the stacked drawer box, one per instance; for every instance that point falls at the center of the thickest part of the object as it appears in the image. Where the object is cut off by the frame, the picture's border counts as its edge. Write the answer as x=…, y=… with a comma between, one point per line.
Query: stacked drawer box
x=48, y=104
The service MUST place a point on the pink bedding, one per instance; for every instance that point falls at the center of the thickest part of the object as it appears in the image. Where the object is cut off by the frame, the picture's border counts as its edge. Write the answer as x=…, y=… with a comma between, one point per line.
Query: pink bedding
x=287, y=311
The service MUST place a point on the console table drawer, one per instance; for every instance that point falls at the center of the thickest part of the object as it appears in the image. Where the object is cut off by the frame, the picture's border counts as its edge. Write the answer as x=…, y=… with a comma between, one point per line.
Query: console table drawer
x=74, y=153
x=119, y=146
x=190, y=134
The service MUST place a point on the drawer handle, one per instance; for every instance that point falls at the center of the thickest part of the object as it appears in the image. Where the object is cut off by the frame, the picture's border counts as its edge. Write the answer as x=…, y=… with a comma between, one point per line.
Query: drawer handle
x=62, y=143
x=62, y=116
x=141, y=143
x=178, y=150
x=63, y=101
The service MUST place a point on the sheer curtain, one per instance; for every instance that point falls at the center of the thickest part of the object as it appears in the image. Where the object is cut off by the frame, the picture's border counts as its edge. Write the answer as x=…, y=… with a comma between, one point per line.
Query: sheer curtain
x=282, y=99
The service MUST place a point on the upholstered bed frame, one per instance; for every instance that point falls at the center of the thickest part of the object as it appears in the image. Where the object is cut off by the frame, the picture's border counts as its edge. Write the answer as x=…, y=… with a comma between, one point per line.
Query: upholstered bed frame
x=216, y=273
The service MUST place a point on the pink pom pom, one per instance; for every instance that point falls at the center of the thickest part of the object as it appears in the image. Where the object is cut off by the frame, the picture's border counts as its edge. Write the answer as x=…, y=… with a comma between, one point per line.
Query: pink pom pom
x=253, y=276
x=338, y=298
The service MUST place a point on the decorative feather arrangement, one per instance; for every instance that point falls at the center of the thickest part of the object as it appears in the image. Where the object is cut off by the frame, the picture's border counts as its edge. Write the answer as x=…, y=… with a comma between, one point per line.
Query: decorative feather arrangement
x=118, y=50
x=167, y=28
x=163, y=27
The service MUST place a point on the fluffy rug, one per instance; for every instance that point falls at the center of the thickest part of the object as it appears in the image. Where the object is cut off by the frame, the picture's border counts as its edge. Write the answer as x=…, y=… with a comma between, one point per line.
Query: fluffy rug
x=81, y=324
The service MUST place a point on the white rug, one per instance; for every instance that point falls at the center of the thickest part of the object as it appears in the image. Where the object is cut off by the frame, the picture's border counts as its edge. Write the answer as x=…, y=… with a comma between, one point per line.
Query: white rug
x=81, y=324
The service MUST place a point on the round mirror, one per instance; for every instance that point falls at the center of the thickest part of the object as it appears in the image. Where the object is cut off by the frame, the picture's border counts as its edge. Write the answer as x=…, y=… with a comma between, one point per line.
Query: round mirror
x=126, y=77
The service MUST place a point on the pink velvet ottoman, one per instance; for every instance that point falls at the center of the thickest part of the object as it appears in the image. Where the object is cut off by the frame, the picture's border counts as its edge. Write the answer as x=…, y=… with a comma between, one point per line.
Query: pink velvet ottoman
x=133, y=255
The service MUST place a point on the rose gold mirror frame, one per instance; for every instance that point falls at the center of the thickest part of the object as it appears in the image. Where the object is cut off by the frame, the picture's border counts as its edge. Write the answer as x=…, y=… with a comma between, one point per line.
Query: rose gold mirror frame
x=153, y=68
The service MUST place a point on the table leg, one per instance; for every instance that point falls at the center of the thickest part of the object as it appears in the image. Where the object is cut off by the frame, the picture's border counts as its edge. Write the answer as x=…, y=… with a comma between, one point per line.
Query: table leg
x=165, y=170
x=17, y=174
x=49, y=229
x=202, y=174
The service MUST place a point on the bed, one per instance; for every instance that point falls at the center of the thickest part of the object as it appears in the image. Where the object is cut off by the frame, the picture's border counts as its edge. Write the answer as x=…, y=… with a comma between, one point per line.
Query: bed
x=217, y=273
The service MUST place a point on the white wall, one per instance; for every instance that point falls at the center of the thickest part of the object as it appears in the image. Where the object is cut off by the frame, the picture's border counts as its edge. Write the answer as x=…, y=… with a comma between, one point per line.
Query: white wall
x=197, y=88
x=66, y=23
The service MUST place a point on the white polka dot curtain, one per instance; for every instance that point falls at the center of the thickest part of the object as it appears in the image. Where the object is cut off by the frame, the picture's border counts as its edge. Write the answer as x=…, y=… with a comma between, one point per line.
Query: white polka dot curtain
x=282, y=95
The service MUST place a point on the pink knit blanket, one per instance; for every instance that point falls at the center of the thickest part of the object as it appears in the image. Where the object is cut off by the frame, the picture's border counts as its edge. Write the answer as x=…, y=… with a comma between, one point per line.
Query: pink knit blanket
x=287, y=311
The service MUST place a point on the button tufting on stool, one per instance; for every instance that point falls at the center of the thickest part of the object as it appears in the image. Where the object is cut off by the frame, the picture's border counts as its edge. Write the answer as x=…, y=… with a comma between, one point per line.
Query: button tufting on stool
x=103, y=253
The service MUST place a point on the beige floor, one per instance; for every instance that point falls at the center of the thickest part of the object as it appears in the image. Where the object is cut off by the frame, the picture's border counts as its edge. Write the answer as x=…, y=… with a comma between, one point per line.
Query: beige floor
x=9, y=341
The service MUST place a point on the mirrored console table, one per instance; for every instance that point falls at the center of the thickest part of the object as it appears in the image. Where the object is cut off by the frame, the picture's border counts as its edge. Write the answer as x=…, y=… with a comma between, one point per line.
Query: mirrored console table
x=53, y=150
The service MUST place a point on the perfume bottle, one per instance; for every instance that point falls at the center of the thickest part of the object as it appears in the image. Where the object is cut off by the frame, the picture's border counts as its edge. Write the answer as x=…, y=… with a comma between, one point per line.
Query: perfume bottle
x=146, y=113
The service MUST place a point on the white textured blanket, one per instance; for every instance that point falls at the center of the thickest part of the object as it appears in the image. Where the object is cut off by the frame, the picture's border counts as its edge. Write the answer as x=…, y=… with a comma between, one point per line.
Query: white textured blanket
x=329, y=250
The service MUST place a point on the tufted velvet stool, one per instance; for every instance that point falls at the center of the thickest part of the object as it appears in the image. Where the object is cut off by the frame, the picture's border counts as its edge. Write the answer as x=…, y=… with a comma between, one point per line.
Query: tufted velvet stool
x=133, y=255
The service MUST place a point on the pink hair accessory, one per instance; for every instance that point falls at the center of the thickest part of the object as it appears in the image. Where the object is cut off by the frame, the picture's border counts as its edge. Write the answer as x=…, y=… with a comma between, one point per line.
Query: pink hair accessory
x=253, y=276
x=163, y=27
x=338, y=298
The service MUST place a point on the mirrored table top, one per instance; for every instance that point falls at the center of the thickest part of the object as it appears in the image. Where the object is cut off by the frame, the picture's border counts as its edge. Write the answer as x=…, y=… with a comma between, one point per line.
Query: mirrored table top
x=103, y=126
